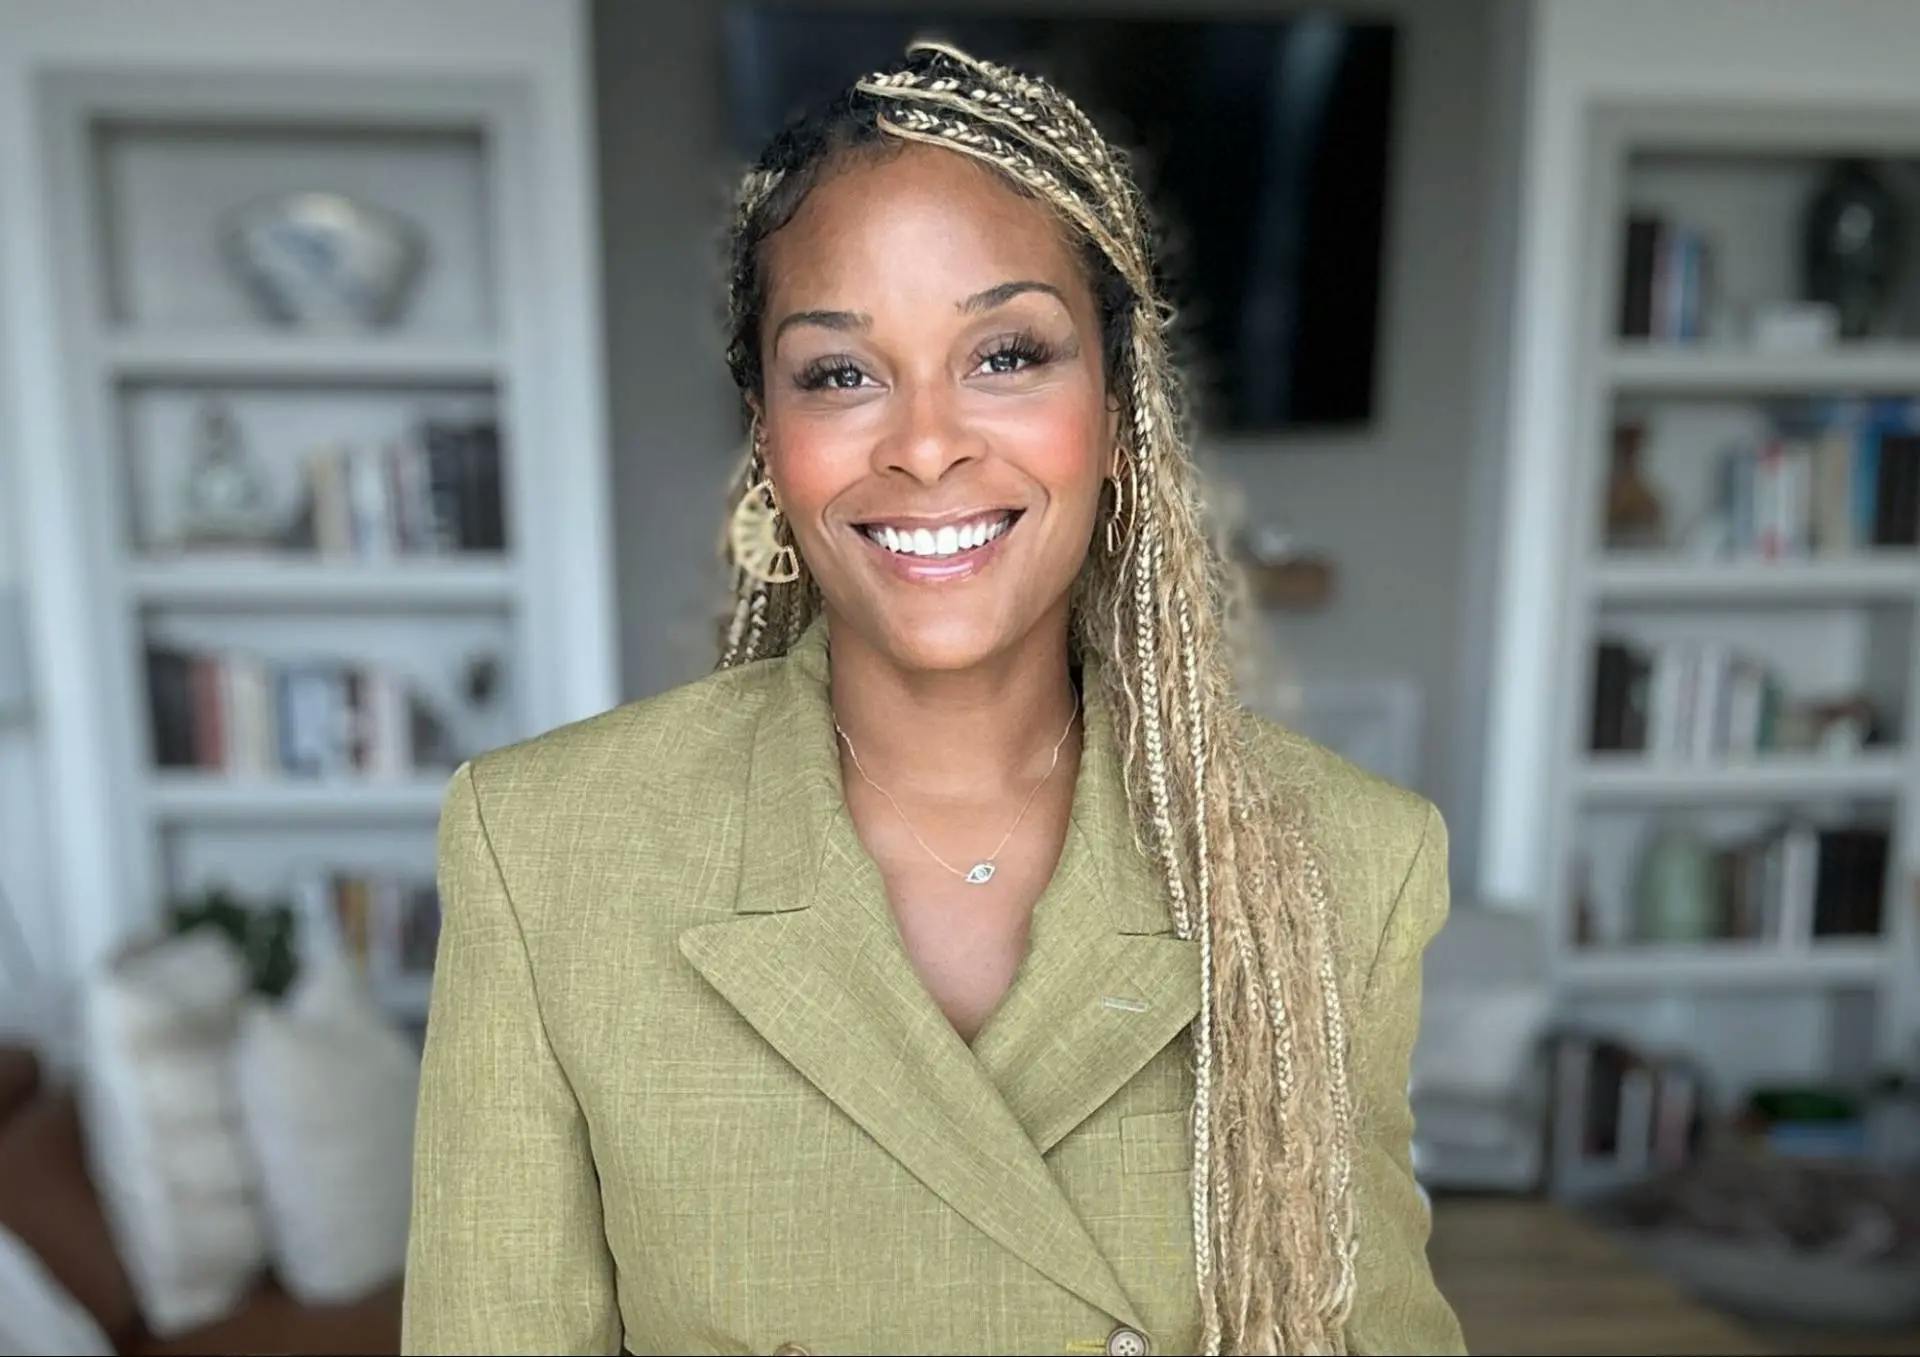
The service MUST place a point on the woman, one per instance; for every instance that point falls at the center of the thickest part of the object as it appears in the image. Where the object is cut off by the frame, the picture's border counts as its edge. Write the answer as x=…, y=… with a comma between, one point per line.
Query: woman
x=958, y=968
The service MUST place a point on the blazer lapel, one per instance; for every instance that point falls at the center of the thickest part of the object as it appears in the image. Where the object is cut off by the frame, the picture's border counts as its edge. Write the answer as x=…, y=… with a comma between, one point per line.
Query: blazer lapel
x=1105, y=984
x=812, y=959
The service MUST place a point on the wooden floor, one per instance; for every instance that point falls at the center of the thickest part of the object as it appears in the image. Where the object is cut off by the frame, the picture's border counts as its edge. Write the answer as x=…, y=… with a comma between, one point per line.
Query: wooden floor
x=1527, y=1277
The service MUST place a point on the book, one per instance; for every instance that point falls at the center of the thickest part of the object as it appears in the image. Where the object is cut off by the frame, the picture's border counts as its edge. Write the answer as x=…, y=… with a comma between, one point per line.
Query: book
x=1636, y=295
x=1833, y=494
x=1896, y=520
x=1850, y=882
x=1633, y=1138
x=1708, y=735
x=1799, y=865
x=170, y=706
x=242, y=713
x=1612, y=664
x=1745, y=690
x=1676, y=1102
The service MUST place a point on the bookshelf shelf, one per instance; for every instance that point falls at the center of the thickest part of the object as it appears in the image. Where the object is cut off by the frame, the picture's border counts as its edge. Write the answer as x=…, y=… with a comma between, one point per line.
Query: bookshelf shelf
x=184, y=795
x=1887, y=574
x=1729, y=965
x=1778, y=778
x=1736, y=680
x=253, y=581
x=1704, y=369
x=292, y=358
x=419, y=583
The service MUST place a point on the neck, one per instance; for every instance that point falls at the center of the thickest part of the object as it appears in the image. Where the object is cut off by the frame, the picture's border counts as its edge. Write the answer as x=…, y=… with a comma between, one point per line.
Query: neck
x=983, y=732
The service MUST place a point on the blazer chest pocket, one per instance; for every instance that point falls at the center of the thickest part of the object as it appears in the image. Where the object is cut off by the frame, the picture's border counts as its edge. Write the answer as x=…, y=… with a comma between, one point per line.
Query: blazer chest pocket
x=1156, y=1142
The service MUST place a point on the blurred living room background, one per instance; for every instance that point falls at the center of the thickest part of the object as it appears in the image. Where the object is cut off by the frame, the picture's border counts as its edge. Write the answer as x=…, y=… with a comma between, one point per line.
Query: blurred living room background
x=1558, y=373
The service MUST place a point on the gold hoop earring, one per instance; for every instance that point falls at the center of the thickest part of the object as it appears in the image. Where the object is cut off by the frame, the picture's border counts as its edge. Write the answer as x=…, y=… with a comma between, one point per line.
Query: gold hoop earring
x=1125, y=505
x=753, y=533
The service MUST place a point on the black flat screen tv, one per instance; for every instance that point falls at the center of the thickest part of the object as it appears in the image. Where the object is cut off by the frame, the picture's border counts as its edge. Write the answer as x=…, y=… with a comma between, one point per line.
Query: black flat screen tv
x=1262, y=144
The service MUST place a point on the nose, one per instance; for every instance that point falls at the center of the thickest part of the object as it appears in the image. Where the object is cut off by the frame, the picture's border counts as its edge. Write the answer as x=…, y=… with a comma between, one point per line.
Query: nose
x=925, y=435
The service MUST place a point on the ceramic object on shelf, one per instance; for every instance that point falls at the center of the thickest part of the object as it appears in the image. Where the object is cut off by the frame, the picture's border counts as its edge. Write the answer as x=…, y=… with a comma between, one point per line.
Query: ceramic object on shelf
x=1636, y=519
x=1853, y=245
x=224, y=495
x=324, y=261
x=1675, y=897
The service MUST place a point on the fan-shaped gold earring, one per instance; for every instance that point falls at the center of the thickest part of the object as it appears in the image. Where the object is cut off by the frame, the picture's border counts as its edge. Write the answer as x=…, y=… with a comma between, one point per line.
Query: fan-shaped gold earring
x=753, y=534
x=1126, y=502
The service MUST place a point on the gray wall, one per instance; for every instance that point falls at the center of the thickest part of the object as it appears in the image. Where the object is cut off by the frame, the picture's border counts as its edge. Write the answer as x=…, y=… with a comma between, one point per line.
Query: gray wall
x=1391, y=503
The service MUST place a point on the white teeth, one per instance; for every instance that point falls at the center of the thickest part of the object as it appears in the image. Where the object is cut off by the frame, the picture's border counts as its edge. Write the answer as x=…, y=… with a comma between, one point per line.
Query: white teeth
x=946, y=541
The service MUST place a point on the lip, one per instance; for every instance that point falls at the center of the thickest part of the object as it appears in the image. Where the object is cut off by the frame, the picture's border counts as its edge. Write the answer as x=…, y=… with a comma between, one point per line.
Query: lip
x=929, y=570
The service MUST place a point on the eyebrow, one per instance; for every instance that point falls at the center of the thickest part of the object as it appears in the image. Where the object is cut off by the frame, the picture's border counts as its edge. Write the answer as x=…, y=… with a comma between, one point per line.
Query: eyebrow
x=998, y=295
x=1003, y=293
x=830, y=320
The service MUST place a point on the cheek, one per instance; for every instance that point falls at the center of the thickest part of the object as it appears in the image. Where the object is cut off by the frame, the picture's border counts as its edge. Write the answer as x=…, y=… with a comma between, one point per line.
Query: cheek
x=812, y=465
x=1057, y=443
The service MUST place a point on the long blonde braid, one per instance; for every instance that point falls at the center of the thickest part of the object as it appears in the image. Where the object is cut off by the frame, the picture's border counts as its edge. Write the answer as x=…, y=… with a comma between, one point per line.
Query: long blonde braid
x=1273, y=1124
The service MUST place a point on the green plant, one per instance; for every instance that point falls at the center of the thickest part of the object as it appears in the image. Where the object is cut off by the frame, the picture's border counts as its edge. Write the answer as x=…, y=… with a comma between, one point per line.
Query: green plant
x=263, y=932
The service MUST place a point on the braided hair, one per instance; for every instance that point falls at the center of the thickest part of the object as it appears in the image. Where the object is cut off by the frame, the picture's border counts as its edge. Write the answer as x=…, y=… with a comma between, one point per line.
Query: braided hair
x=1272, y=1117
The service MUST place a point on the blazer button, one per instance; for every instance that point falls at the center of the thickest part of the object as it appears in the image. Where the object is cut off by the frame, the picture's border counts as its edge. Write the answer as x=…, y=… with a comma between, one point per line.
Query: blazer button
x=1127, y=1341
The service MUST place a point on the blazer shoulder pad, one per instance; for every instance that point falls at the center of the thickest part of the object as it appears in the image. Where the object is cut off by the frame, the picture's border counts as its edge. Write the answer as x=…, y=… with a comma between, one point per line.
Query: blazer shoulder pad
x=651, y=743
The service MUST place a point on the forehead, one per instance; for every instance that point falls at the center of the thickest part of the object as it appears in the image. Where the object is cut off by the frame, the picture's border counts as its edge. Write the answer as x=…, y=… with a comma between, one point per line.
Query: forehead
x=910, y=222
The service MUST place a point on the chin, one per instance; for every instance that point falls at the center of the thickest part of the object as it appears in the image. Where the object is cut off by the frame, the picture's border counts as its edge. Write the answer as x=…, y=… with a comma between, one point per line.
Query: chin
x=948, y=641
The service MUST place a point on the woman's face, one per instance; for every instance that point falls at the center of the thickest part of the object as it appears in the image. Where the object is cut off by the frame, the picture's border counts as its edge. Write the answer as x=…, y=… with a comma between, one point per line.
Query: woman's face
x=932, y=377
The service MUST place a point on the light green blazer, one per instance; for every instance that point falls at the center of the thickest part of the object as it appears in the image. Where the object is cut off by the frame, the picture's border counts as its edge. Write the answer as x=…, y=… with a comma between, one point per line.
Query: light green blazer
x=683, y=1091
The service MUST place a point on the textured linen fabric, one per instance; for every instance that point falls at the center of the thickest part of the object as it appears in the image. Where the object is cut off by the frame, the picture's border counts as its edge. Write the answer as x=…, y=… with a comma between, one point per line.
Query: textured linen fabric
x=683, y=1091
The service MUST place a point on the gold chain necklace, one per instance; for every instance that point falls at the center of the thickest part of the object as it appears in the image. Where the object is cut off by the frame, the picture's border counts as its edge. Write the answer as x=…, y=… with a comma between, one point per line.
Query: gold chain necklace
x=982, y=871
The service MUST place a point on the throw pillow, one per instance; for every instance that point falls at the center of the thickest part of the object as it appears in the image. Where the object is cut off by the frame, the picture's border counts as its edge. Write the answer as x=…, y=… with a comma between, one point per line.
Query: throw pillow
x=165, y=1143
x=328, y=1090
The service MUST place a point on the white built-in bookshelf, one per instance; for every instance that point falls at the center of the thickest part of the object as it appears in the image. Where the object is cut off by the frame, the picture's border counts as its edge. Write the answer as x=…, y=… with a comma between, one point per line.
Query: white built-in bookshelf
x=1724, y=655
x=277, y=704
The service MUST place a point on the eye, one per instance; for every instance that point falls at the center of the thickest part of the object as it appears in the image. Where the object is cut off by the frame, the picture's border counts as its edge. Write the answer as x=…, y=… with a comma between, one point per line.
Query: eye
x=1015, y=353
x=837, y=373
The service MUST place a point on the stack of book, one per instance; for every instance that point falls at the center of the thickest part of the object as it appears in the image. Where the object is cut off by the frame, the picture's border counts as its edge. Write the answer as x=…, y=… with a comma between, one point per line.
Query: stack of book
x=1618, y=1114
x=1664, y=289
x=236, y=712
x=435, y=492
x=1844, y=479
x=1797, y=880
x=1697, y=699
x=386, y=924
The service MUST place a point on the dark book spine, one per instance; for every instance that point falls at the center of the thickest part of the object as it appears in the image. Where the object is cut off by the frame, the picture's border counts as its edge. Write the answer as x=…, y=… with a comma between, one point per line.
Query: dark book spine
x=1897, y=492
x=1850, y=883
x=1609, y=696
x=471, y=511
x=354, y=689
x=489, y=504
x=1636, y=293
x=170, y=698
x=1638, y=694
x=445, y=492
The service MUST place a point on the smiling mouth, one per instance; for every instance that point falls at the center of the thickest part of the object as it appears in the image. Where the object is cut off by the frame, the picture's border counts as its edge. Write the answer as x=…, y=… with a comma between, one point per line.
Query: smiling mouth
x=945, y=542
